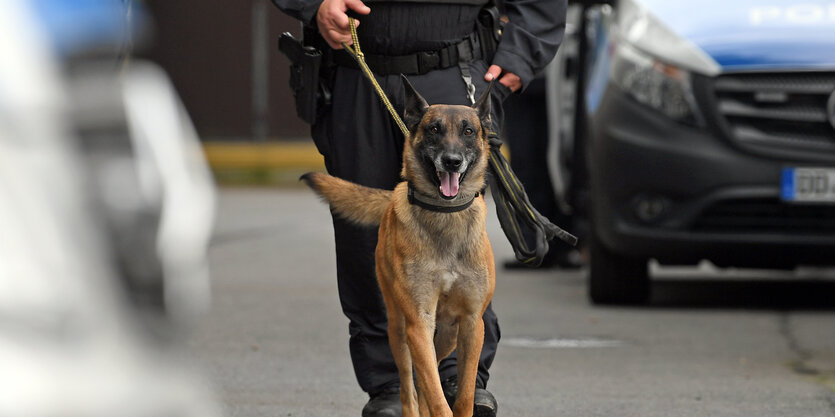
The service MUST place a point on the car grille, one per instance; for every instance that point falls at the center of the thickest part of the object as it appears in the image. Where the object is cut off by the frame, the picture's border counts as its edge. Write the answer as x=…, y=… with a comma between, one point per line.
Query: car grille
x=767, y=215
x=778, y=111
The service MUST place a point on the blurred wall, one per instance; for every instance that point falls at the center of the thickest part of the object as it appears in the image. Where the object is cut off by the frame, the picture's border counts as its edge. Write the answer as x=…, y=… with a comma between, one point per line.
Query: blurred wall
x=209, y=48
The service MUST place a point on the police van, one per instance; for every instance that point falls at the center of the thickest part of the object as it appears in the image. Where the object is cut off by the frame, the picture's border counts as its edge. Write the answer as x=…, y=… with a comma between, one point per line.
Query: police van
x=689, y=131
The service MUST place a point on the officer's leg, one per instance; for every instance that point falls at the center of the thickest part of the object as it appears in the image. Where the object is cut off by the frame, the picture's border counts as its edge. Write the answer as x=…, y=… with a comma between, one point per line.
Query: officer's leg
x=359, y=145
x=526, y=133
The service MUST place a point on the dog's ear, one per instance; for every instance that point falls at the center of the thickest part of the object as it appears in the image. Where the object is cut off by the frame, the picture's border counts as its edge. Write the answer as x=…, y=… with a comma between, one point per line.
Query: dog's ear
x=415, y=106
x=482, y=105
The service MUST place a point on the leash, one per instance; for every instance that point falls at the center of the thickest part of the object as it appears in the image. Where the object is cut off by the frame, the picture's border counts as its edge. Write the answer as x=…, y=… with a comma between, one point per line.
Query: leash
x=358, y=56
x=513, y=207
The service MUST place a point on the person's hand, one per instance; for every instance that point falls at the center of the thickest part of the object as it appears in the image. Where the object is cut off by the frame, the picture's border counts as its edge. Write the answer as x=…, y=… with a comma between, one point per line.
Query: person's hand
x=332, y=20
x=509, y=79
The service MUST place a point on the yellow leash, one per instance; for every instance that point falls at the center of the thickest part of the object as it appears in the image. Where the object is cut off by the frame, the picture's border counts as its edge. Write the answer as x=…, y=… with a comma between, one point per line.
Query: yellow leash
x=358, y=56
x=512, y=202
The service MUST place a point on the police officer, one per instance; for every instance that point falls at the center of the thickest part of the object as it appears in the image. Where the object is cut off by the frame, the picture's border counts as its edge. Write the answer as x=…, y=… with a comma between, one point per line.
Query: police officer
x=432, y=42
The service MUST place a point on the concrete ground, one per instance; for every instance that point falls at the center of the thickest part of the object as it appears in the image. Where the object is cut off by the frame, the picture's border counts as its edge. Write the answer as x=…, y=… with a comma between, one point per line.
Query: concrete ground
x=709, y=344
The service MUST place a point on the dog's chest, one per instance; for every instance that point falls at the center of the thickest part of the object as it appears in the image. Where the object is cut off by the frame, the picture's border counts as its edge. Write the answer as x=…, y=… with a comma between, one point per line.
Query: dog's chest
x=447, y=255
x=447, y=279
x=446, y=275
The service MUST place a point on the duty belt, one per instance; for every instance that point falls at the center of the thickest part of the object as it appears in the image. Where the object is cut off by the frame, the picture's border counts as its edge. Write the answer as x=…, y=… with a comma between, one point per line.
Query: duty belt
x=417, y=63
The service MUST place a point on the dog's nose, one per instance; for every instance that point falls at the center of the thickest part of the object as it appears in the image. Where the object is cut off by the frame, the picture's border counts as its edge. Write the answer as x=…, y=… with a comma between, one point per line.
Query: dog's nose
x=452, y=162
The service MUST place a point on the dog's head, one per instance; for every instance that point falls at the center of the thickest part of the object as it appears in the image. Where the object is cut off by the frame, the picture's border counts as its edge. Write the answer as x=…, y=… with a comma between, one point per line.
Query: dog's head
x=447, y=149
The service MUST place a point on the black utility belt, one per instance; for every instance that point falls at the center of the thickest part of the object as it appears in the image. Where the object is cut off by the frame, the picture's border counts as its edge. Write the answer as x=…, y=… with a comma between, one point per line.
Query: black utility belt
x=417, y=63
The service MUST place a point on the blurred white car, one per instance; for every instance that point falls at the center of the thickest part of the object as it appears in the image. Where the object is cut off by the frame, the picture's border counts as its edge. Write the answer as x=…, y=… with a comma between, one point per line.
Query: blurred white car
x=106, y=217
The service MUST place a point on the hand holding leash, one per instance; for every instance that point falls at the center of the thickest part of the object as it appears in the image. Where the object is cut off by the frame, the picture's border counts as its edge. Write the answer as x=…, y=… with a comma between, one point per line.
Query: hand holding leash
x=509, y=79
x=332, y=19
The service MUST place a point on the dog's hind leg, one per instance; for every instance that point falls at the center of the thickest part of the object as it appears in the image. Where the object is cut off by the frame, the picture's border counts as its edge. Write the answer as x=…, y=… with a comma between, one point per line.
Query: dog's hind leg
x=403, y=359
x=446, y=333
x=470, y=341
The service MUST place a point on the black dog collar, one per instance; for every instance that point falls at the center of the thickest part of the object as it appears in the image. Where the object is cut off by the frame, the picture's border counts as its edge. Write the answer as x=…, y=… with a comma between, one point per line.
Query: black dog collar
x=436, y=204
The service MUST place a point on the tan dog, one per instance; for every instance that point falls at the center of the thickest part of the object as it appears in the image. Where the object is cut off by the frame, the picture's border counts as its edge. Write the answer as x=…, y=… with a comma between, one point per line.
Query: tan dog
x=434, y=262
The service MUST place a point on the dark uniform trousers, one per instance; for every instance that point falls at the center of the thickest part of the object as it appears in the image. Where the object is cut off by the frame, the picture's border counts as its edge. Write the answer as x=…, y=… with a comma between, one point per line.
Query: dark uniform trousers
x=361, y=143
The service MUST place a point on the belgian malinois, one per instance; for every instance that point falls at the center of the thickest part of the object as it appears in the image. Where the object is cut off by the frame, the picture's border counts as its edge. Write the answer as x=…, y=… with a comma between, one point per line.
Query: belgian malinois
x=434, y=261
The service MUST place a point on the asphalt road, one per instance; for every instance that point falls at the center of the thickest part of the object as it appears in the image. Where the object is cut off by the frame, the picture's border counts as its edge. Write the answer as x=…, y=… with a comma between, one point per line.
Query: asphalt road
x=709, y=344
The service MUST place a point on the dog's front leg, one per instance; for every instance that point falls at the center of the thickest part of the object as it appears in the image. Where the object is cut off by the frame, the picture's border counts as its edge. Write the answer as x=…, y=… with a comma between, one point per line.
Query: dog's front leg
x=419, y=334
x=402, y=357
x=470, y=341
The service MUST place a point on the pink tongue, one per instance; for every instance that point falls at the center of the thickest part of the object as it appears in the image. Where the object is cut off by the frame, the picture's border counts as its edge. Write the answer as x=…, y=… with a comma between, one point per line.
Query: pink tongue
x=449, y=183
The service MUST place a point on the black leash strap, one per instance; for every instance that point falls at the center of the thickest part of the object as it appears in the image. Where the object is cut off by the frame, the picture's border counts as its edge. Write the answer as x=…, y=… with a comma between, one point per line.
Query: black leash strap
x=515, y=210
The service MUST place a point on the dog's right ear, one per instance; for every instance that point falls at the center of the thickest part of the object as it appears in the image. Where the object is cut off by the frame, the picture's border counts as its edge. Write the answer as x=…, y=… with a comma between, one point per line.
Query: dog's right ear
x=415, y=106
x=482, y=105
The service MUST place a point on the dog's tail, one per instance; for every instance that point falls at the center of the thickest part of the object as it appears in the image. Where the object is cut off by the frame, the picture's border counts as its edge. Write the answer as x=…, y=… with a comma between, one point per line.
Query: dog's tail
x=356, y=203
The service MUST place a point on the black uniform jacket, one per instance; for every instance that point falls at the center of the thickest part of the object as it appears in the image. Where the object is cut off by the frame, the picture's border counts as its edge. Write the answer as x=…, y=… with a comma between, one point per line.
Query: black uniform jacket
x=529, y=41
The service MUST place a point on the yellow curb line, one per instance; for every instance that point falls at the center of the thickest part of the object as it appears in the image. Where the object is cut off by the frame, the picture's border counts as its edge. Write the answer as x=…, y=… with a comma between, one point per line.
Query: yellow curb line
x=293, y=156
x=270, y=156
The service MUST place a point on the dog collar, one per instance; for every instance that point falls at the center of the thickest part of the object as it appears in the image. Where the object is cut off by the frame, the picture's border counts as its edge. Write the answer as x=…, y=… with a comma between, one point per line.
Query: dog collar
x=437, y=204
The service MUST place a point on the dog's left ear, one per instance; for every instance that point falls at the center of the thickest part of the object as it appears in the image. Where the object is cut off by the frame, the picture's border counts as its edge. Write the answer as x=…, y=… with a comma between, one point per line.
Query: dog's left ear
x=415, y=106
x=482, y=105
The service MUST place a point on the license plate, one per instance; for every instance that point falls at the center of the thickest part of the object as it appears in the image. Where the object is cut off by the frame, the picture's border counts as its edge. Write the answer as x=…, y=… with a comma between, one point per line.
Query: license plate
x=808, y=185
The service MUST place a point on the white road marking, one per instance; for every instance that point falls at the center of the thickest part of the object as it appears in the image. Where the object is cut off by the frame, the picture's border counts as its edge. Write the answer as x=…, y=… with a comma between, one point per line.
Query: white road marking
x=561, y=343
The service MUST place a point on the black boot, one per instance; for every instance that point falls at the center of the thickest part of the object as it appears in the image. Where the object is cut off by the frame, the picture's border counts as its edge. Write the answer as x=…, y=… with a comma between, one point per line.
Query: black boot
x=484, y=405
x=385, y=403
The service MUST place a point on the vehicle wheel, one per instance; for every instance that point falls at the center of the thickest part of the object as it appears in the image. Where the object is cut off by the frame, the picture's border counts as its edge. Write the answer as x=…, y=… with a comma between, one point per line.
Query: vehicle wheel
x=616, y=279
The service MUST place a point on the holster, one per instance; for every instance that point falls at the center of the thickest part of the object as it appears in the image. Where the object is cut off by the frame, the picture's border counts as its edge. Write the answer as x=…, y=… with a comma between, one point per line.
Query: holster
x=305, y=68
x=489, y=27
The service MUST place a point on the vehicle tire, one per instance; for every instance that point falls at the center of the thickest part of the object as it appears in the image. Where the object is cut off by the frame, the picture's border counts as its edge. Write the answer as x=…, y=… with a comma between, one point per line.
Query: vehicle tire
x=616, y=279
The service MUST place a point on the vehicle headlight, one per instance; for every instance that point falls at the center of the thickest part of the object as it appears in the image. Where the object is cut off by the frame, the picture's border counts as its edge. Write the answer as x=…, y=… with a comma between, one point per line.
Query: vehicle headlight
x=659, y=85
x=653, y=64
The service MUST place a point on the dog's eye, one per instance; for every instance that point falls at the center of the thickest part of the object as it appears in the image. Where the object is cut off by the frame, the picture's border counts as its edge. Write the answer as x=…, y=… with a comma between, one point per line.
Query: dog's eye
x=468, y=132
x=434, y=130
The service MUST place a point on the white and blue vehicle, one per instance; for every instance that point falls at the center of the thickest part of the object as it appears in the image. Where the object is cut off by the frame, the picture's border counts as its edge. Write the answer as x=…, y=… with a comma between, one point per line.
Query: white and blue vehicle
x=693, y=131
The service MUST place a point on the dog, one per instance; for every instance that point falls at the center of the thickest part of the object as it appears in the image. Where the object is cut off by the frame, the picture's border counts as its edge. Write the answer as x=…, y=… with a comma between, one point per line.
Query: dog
x=434, y=262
